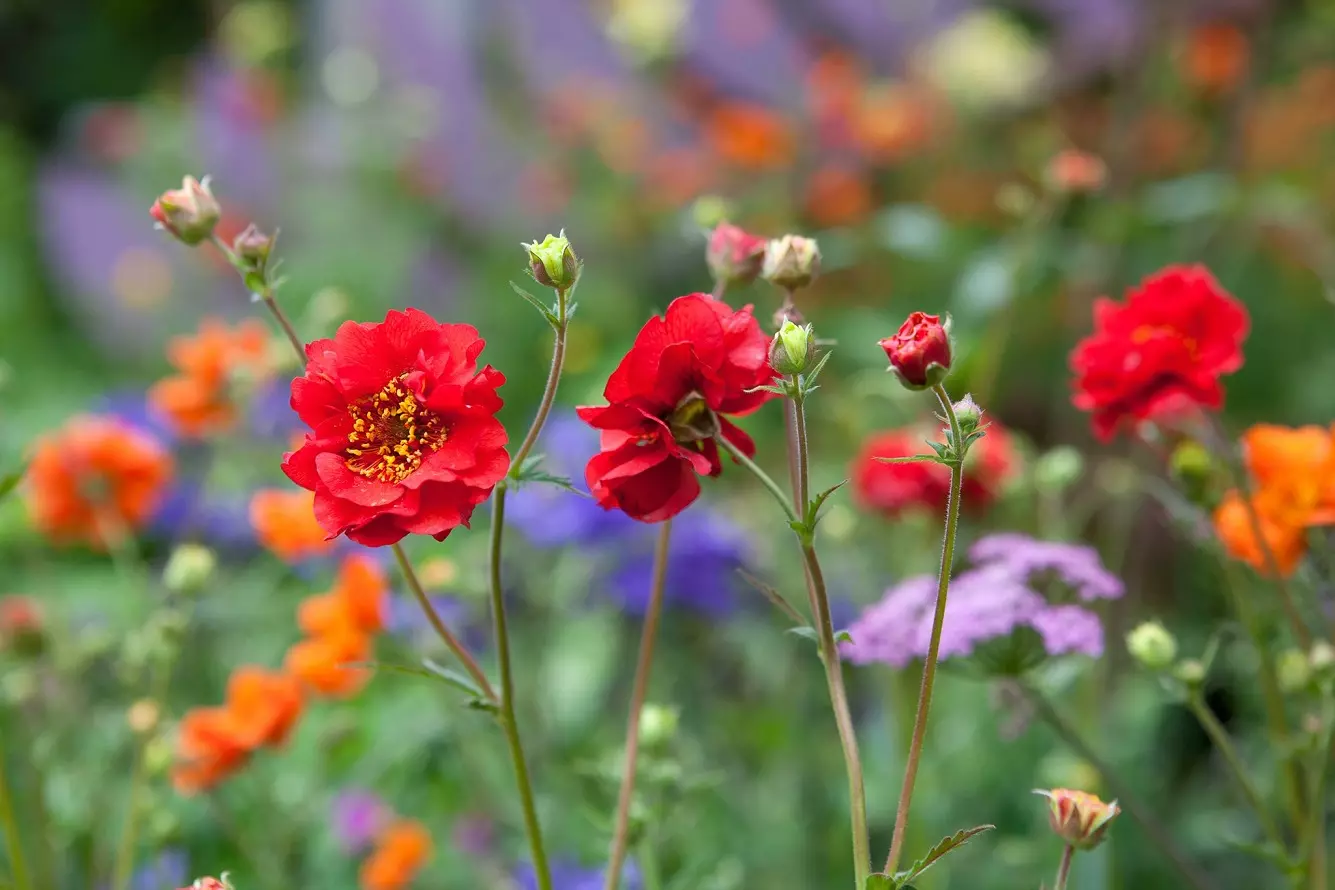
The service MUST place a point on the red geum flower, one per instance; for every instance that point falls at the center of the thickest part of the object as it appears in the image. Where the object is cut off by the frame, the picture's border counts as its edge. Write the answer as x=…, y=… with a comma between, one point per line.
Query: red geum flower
x=734, y=255
x=893, y=488
x=1161, y=352
x=404, y=438
x=667, y=398
x=919, y=352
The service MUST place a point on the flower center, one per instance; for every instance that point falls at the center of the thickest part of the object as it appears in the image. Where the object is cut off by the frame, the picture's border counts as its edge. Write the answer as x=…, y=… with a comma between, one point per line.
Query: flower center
x=693, y=420
x=391, y=434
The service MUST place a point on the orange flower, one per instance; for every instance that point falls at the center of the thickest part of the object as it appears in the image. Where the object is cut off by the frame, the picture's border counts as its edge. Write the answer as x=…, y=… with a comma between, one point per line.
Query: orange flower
x=838, y=196
x=95, y=477
x=322, y=663
x=750, y=136
x=357, y=602
x=264, y=705
x=892, y=121
x=401, y=851
x=284, y=521
x=196, y=401
x=1293, y=471
x=1216, y=57
x=208, y=750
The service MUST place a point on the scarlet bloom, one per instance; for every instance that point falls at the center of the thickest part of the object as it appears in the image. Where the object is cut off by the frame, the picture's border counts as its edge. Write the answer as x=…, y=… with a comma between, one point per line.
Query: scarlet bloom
x=95, y=477
x=894, y=488
x=400, y=853
x=208, y=750
x=667, y=401
x=919, y=352
x=197, y=400
x=734, y=255
x=1078, y=817
x=328, y=663
x=1294, y=490
x=284, y=522
x=1161, y=352
x=404, y=438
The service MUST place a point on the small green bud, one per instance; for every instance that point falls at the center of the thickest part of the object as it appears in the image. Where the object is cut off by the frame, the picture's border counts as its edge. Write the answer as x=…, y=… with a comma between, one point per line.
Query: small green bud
x=792, y=349
x=1322, y=657
x=1058, y=468
x=968, y=414
x=1190, y=671
x=252, y=248
x=1152, y=645
x=791, y=262
x=189, y=568
x=553, y=262
x=658, y=725
x=710, y=210
x=1293, y=669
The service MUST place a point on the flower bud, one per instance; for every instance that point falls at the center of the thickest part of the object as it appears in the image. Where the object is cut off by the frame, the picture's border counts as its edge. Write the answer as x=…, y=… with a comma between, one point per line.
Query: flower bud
x=1076, y=172
x=1190, y=671
x=734, y=255
x=658, y=725
x=1078, y=818
x=252, y=248
x=967, y=414
x=1293, y=670
x=1152, y=645
x=791, y=262
x=792, y=349
x=1322, y=657
x=553, y=262
x=211, y=884
x=919, y=352
x=189, y=213
x=189, y=568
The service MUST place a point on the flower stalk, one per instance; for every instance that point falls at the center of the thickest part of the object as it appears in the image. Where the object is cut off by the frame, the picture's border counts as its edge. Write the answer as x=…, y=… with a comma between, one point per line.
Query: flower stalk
x=1219, y=736
x=616, y=856
x=938, y=620
x=1064, y=868
x=13, y=842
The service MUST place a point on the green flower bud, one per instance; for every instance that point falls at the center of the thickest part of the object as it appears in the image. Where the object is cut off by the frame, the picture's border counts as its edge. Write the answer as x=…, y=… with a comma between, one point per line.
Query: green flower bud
x=792, y=349
x=1293, y=669
x=189, y=568
x=968, y=414
x=658, y=725
x=553, y=262
x=1322, y=657
x=1190, y=671
x=252, y=248
x=1152, y=645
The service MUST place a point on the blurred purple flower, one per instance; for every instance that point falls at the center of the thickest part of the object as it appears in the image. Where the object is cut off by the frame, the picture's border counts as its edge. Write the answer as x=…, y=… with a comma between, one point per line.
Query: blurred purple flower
x=474, y=834
x=1076, y=566
x=356, y=817
x=1066, y=629
x=170, y=868
x=231, y=131
x=568, y=876
x=270, y=411
x=705, y=551
x=131, y=406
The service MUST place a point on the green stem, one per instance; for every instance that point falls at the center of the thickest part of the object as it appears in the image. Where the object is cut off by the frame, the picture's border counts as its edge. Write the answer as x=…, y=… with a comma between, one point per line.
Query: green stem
x=1215, y=730
x=454, y=644
x=616, y=857
x=1314, y=836
x=13, y=843
x=1064, y=868
x=267, y=295
x=548, y=391
x=765, y=479
x=938, y=621
x=1155, y=831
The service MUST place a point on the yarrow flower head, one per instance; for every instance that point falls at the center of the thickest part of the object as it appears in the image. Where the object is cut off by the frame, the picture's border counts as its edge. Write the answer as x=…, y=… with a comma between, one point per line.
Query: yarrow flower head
x=404, y=437
x=668, y=401
x=1016, y=583
x=734, y=255
x=1078, y=817
x=1161, y=352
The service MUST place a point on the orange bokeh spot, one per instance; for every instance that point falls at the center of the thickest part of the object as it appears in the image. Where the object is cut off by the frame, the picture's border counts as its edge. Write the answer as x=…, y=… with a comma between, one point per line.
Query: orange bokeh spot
x=284, y=522
x=324, y=663
x=340, y=626
x=838, y=196
x=1216, y=57
x=400, y=853
x=94, y=479
x=750, y=136
x=196, y=400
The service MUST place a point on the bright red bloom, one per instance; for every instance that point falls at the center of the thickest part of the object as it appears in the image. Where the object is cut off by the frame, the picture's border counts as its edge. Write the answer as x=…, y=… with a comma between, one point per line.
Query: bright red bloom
x=1161, y=352
x=919, y=352
x=894, y=488
x=404, y=437
x=667, y=399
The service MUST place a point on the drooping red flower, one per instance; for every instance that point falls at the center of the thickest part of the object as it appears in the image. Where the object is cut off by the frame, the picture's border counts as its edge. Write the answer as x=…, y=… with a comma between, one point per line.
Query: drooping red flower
x=1160, y=352
x=894, y=488
x=667, y=401
x=919, y=352
x=404, y=437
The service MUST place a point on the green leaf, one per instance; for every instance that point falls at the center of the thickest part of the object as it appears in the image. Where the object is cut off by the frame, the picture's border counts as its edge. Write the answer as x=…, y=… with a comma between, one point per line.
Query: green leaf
x=432, y=671
x=10, y=481
x=813, y=507
x=777, y=390
x=808, y=379
x=943, y=846
x=531, y=471
x=536, y=304
x=773, y=596
x=880, y=882
x=806, y=632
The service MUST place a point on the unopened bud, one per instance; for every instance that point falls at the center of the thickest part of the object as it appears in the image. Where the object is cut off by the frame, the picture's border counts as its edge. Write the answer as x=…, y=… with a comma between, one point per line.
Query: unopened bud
x=658, y=725
x=734, y=255
x=791, y=262
x=1079, y=818
x=143, y=716
x=1293, y=670
x=252, y=247
x=919, y=352
x=792, y=349
x=189, y=568
x=158, y=756
x=1076, y=172
x=553, y=261
x=967, y=414
x=189, y=213
x=1190, y=671
x=1152, y=645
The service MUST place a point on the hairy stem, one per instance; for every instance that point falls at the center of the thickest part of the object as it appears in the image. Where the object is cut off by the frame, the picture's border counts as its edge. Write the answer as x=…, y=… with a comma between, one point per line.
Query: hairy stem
x=267, y=295
x=616, y=857
x=934, y=646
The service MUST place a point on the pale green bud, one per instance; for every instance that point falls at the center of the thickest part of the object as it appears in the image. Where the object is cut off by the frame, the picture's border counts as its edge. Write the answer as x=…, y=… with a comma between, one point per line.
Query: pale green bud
x=1191, y=671
x=189, y=568
x=1152, y=645
x=658, y=725
x=553, y=262
x=1293, y=669
x=791, y=261
x=792, y=349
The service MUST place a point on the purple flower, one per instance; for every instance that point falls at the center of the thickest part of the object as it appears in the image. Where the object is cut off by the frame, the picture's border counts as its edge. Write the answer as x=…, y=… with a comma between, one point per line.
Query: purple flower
x=1076, y=566
x=568, y=876
x=356, y=818
x=169, y=869
x=474, y=834
x=270, y=413
x=1069, y=629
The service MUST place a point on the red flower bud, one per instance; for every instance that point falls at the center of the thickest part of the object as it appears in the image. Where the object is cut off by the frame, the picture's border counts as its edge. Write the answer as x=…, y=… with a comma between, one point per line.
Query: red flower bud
x=919, y=352
x=1078, y=817
x=252, y=247
x=189, y=213
x=1075, y=171
x=734, y=255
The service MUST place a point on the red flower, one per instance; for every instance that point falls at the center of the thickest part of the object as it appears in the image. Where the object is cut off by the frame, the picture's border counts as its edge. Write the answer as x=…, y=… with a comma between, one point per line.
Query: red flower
x=404, y=438
x=1161, y=352
x=667, y=397
x=919, y=352
x=734, y=255
x=894, y=488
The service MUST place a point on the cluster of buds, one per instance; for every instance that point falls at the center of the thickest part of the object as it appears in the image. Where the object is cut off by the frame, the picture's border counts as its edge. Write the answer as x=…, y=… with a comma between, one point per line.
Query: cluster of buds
x=189, y=213
x=1296, y=669
x=1078, y=817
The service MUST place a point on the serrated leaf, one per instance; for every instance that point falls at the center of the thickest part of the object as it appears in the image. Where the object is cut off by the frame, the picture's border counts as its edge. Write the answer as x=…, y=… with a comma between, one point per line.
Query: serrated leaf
x=773, y=596
x=10, y=481
x=880, y=882
x=843, y=636
x=813, y=508
x=433, y=671
x=943, y=846
x=531, y=471
x=806, y=632
x=536, y=304
x=777, y=390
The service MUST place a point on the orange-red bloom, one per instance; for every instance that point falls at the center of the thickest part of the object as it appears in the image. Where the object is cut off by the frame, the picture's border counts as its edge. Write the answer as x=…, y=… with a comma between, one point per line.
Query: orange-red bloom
x=94, y=478
x=208, y=750
x=1293, y=472
x=400, y=853
x=324, y=663
x=341, y=625
x=284, y=522
x=197, y=400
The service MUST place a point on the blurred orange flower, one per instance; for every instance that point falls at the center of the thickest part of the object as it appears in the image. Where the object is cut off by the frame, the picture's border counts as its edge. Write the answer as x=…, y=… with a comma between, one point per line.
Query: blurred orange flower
x=892, y=121
x=95, y=477
x=208, y=750
x=1293, y=471
x=838, y=195
x=400, y=853
x=284, y=522
x=750, y=136
x=1215, y=57
x=264, y=705
x=322, y=663
x=340, y=625
x=197, y=400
